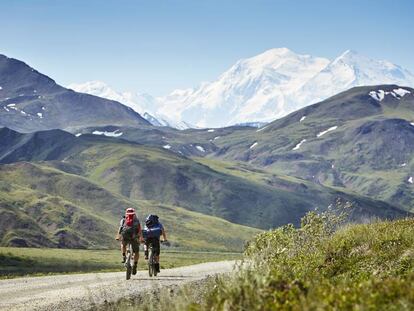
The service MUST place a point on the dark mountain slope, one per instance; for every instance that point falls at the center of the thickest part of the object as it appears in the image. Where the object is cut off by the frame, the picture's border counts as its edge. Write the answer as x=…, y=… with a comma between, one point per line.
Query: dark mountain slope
x=361, y=139
x=31, y=101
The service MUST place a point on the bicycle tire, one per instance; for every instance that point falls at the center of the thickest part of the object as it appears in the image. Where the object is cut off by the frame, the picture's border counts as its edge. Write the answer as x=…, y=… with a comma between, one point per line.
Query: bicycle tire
x=128, y=264
x=151, y=262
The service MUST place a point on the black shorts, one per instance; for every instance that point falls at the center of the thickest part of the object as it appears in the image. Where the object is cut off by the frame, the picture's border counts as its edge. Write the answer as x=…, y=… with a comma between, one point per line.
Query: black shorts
x=155, y=242
x=134, y=243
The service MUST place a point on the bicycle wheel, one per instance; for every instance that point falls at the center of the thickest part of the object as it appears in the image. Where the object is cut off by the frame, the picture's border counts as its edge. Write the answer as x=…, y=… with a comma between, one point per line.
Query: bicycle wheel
x=154, y=269
x=128, y=263
x=150, y=263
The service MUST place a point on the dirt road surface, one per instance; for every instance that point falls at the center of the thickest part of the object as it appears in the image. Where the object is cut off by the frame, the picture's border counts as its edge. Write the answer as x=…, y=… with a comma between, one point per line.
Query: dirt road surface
x=83, y=291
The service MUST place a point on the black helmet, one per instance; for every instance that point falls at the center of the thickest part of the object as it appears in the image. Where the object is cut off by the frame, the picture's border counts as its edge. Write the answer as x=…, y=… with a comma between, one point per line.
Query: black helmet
x=151, y=220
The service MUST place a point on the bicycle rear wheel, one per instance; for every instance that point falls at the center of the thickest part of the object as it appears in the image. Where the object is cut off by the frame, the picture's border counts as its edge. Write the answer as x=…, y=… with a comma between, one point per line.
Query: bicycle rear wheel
x=128, y=263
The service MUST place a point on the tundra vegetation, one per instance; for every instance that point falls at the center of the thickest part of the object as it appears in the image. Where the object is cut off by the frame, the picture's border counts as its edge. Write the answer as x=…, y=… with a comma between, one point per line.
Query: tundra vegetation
x=324, y=264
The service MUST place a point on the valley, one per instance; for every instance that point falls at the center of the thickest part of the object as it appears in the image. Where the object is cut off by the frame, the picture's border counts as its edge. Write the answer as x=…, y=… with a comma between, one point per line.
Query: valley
x=65, y=182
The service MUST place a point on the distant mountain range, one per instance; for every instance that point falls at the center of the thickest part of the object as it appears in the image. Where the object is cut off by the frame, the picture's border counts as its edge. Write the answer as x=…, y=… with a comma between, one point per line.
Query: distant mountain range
x=60, y=190
x=31, y=101
x=258, y=89
x=71, y=161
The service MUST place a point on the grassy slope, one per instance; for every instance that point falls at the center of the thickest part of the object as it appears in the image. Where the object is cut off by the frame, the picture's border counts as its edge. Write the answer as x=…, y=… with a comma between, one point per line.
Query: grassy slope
x=360, y=267
x=142, y=172
x=371, y=139
x=206, y=186
x=51, y=201
x=22, y=261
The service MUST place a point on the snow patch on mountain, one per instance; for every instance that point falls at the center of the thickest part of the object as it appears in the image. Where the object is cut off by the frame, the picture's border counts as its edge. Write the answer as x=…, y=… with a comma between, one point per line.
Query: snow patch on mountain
x=333, y=128
x=299, y=144
x=401, y=92
x=380, y=94
x=115, y=133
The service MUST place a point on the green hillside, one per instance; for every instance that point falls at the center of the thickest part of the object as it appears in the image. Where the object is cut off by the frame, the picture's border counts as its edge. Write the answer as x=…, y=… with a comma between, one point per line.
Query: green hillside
x=140, y=172
x=349, y=141
x=42, y=206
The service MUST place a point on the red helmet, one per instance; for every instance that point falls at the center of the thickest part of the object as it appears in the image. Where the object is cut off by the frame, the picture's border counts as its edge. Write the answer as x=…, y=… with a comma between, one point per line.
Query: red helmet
x=130, y=211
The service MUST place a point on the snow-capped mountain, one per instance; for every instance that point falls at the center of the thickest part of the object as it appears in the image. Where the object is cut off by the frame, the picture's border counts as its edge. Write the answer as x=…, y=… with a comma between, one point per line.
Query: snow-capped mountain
x=260, y=89
x=275, y=83
x=253, y=89
x=348, y=70
x=140, y=102
x=143, y=103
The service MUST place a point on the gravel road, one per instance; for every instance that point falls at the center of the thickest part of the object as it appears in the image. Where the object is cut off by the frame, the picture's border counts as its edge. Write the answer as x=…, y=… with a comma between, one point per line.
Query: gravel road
x=82, y=291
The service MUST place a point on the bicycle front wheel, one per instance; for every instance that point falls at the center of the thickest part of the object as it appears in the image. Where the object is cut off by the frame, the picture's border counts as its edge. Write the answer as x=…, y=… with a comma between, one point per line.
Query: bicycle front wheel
x=151, y=263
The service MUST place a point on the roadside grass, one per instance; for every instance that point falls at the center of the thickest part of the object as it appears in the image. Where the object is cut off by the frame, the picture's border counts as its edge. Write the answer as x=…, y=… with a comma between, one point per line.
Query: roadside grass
x=15, y=262
x=323, y=265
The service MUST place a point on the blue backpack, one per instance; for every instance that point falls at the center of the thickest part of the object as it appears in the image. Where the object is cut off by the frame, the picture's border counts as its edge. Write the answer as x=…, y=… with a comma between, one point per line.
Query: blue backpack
x=153, y=228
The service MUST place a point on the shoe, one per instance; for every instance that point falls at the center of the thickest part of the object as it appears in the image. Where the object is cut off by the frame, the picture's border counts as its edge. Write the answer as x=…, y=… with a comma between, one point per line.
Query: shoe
x=134, y=269
x=123, y=259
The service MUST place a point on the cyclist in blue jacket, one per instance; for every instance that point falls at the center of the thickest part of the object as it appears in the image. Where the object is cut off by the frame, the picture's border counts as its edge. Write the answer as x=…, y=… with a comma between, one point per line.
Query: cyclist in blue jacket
x=152, y=232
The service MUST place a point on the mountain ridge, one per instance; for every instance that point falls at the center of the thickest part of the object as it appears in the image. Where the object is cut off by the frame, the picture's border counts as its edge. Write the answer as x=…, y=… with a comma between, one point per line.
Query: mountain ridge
x=269, y=86
x=31, y=101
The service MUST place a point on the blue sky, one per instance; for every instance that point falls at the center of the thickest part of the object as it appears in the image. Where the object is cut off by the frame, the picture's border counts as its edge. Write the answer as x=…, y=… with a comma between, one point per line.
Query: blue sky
x=158, y=46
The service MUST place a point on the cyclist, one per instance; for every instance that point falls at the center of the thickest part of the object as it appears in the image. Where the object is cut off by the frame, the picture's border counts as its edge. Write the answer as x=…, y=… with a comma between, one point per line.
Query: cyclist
x=130, y=232
x=152, y=232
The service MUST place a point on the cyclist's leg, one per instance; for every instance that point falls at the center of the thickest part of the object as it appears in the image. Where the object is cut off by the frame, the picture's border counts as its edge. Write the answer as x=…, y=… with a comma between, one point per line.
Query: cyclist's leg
x=157, y=250
x=135, y=249
x=146, y=248
x=123, y=250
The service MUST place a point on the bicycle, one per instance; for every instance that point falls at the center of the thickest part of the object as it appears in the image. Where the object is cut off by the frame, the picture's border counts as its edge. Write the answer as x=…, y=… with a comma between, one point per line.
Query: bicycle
x=128, y=261
x=152, y=270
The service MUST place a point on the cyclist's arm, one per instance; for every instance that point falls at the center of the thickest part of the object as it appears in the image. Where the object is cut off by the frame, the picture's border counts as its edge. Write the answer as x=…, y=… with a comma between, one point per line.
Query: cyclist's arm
x=164, y=234
x=121, y=224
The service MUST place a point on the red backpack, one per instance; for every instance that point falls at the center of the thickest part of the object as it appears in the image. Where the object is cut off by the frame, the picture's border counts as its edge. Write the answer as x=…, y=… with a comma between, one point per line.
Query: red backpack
x=129, y=220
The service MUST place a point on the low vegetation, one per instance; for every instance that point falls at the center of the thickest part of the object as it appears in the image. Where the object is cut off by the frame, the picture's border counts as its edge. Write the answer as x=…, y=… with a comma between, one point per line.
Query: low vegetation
x=322, y=265
x=39, y=261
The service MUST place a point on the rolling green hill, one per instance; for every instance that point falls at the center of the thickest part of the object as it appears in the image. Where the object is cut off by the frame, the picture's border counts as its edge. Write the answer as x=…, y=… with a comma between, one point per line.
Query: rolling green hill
x=42, y=206
x=139, y=172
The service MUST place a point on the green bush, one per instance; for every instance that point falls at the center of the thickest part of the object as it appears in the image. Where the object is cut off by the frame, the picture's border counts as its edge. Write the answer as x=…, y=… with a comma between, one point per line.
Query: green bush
x=323, y=265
